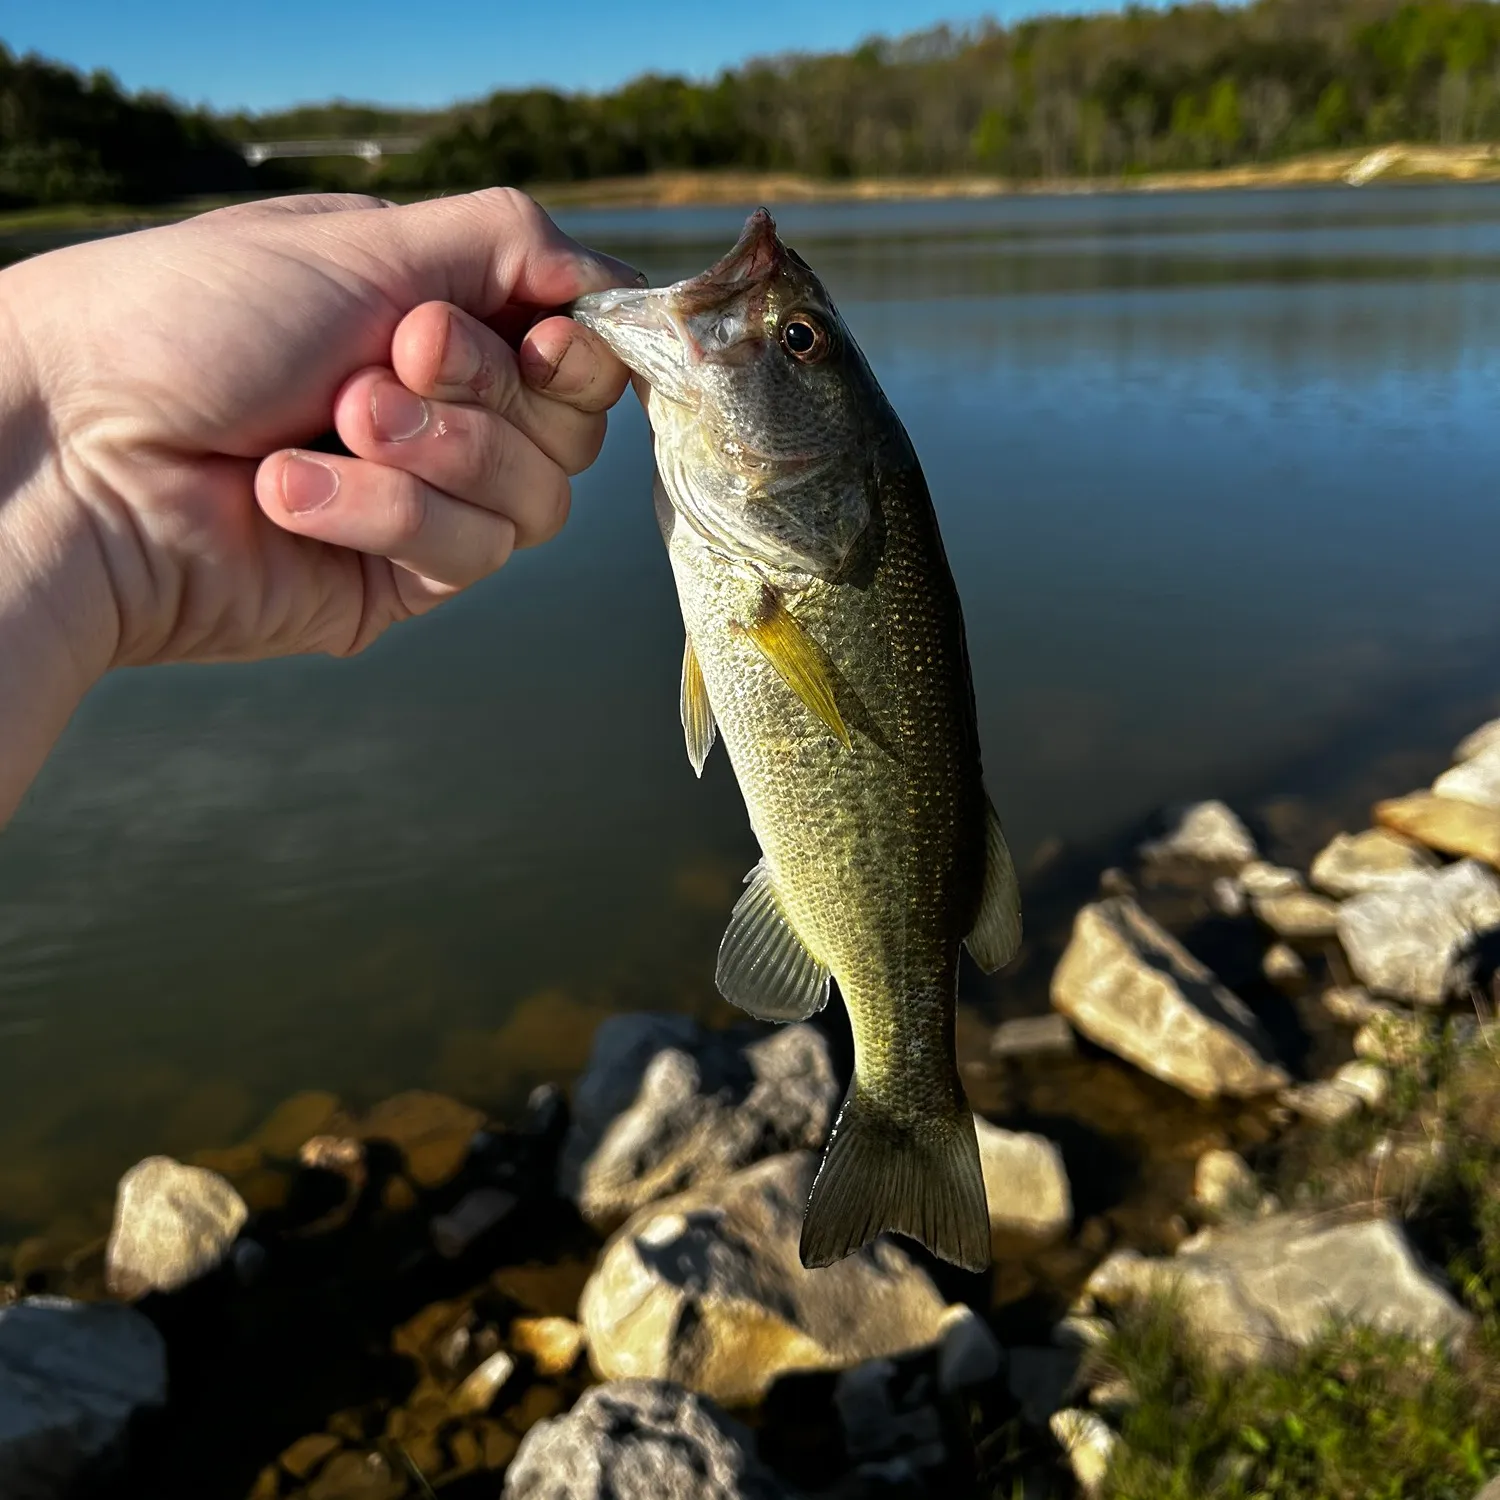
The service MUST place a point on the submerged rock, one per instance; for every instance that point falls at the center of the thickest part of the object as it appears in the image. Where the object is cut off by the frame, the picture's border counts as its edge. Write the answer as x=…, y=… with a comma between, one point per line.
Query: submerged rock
x=172, y=1225
x=1252, y=1293
x=1403, y=940
x=431, y=1131
x=1026, y=1183
x=640, y=1440
x=1353, y=863
x=72, y=1376
x=1208, y=832
x=1461, y=828
x=1135, y=990
x=667, y=1105
x=706, y=1289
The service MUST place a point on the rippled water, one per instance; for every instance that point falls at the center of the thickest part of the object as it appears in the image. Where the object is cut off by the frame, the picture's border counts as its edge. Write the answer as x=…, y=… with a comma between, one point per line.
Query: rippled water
x=1217, y=479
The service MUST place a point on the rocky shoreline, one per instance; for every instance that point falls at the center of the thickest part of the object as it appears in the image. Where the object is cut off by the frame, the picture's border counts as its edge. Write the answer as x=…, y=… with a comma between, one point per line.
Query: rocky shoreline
x=603, y=1296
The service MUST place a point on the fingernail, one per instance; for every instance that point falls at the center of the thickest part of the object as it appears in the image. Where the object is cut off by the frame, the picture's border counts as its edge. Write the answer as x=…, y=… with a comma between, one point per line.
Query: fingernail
x=461, y=356
x=601, y=271
x=306, y=484
x=563, y=372
x=396, y=413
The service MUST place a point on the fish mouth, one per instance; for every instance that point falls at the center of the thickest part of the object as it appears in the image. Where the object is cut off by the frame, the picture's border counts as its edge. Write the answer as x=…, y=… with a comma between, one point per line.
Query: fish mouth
x=663, y=333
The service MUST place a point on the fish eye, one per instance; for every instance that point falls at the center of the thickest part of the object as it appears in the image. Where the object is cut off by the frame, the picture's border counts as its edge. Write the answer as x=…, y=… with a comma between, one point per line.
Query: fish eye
x=804, y=338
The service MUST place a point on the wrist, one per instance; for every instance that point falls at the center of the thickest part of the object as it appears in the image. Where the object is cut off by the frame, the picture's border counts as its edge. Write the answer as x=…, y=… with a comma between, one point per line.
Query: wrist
x=54, y=616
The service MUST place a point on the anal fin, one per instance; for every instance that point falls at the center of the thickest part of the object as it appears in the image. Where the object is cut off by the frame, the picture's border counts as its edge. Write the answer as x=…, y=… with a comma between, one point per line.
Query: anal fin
x=698, y=726
x=784, y=643
x=764, y=967
x=997, y=933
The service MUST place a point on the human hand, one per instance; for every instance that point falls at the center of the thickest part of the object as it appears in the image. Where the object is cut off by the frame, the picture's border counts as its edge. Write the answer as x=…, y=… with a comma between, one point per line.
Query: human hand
x=158, y=383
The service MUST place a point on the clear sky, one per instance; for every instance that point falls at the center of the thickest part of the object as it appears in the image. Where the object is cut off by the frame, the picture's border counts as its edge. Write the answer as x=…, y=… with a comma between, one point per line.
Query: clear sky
x=267, y=54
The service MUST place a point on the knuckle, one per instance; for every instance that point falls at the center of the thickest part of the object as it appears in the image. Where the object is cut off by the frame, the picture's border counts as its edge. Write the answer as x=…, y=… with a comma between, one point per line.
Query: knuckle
x=408, y=510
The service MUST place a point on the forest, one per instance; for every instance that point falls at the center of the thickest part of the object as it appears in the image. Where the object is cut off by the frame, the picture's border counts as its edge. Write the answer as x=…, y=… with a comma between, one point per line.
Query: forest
x=1105, y=95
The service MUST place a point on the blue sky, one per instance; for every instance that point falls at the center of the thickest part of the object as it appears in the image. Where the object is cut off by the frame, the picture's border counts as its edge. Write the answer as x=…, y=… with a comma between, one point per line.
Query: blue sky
x=266, y=54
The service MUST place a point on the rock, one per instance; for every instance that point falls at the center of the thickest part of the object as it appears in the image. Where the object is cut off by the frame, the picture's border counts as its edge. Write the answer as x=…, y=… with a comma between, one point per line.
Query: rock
x=1352, y=1004
x=1078, y=1331
x=1041, y=1379
x=431, y=1131
x=1117, y=1395
x=969, y=1353
x=554, y=1344
x=707, y=1289
x=1461, y=828
x=1282, y=964
x=1403, y=940
x=701, y=1107
x=1089, y=1444
x=1223, y=1184
x=478, y=1392
x=304, y=1456
x=1227, y=896
x=877, y=1424
x=1298, y=914
x=471, y=1218
x=1475, y=779
x=640, y=1440
x=1026, y=1183
x=1367, y=1081
x=172, y=1225
x=1478, y=741
x=1034, y=1036
x=295, y=1121
x=72, y=1376
x=1208, y=832
x=1253, y=1292
x=1393, y=1038
x=1261, y=879
x=1135, y=990
x=1491, y=1491
x=358, y=1476
x=1322, y=1102
x=1357, y=862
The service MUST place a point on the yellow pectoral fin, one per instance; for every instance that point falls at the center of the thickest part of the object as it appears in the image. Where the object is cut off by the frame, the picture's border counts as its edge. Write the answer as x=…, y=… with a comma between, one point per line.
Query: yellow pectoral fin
x=697, y=713
x=783, y=643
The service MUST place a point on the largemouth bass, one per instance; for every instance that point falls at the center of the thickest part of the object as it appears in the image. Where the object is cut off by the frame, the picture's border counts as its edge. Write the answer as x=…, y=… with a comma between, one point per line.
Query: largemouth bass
x=826, y=645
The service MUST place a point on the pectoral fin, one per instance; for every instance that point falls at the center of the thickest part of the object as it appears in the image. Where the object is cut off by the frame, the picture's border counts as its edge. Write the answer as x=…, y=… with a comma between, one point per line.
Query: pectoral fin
x=997, y=933
x=783, y=643
x=764, y=967
x=697, y=712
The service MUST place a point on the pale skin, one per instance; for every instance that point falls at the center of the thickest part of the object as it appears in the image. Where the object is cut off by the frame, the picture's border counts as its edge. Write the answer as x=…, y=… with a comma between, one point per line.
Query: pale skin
x=155, y=505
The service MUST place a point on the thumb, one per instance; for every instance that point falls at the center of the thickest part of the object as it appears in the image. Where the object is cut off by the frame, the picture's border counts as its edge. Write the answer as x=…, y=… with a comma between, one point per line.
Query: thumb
x=483, y=251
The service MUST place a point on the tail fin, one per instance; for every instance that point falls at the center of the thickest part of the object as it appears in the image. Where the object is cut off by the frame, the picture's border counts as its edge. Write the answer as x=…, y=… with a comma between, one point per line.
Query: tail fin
x=880, y=1173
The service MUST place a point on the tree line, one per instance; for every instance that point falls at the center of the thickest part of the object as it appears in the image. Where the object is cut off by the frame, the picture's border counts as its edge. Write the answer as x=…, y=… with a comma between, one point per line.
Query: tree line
x=1103, y=95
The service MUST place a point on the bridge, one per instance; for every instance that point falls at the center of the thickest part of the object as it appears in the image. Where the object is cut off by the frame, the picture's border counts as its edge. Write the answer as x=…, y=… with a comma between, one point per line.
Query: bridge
x=255, y=152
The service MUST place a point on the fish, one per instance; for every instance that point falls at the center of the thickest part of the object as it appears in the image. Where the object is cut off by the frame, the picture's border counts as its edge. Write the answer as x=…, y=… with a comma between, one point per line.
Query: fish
x=824, y=644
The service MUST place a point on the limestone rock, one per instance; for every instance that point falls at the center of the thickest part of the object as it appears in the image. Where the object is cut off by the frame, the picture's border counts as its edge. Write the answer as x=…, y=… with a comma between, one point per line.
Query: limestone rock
x=1402, y=940
x=1034, y=1036
x=1323, y=1102
x=431, y=1131
x=1461, y=828
x=1226, y=895
x=1282, y=964
x=1089, y=1443
x=1353, y=1005
x=1026, y=1183
x=701, y=1106
x=1357, y=862
x=1475, y=779
x=1367, y=1081
x=1223, y=1184
x=1253, y=1292
x=707, y=1289
x=1298, y=914
x=72, y=1375
x=1478, y=740
x=554, y=1344
x=1491, y=1491
x=1135, y=990
x=1208, y=832
x=640, y=1440
x=172, y=1225
x=1259, y=878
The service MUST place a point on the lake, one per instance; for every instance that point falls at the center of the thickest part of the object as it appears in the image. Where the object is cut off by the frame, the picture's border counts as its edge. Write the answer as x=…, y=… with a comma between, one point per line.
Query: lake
x=1217, y=477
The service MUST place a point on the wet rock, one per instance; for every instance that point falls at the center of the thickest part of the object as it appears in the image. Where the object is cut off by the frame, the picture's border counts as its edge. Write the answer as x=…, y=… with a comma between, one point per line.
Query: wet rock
x=1089, y=1444
x=1403, y=940
x=1298, y=914
x=1035, y=1037
x=969, y=1354
x=478, y=1392
x=172, y=1225
x=1323, y=1102
x=431, y=1131
x=1135, y=990
x=1367, y=1081
x=701, y=1107
x=294, y=1121
x=72, y=1376
x=358, y=1476
x=470, y=1219
x=1261, y=879
x=1475, y=779
x=1461, y=828
x=1282, y=964
x=1224, y=1185
x=640, y=1440
x=707, y=1289
x=1208, y=832
x=304, y=1456
x=337, y=1156
x=1042, y=1379
x=1026, y=1183
x=554, y=1344
x=1357, y=862
x=1256, y=1291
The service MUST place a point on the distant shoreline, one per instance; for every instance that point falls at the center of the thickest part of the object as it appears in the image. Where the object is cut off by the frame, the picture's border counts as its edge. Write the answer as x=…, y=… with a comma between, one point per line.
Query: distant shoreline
x=1395, y=163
